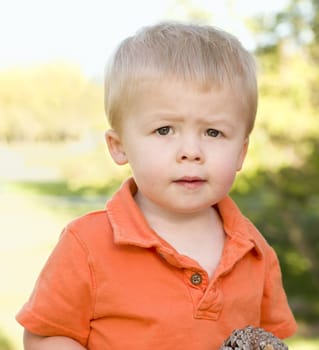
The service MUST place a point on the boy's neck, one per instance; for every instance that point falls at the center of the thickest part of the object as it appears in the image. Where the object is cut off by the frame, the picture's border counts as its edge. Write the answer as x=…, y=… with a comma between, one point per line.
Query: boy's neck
x=198, y=235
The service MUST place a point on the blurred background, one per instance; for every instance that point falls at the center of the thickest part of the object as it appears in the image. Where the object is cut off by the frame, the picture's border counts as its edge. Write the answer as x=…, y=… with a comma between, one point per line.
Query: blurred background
x=54, y=164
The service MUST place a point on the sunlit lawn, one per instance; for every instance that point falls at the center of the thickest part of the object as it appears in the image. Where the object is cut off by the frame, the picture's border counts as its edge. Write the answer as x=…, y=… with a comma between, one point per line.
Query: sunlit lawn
x=30, y=223
x=303, y=344
x=30, y=226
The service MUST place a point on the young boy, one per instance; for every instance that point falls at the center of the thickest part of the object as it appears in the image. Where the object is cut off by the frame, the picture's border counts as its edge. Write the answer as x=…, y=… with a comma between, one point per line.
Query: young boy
x=171, y=263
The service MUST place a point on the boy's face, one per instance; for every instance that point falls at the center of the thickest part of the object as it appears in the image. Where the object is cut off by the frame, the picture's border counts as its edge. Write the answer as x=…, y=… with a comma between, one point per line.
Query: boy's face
x=184, y=145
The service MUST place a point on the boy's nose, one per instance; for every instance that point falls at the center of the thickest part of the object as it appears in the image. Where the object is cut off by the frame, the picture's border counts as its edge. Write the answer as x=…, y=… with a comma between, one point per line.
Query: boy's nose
x=190, y=151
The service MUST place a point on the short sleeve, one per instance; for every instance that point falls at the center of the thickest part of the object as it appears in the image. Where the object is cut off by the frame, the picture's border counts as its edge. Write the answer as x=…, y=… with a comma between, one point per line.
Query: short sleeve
x=62, y=301
x=276, y=314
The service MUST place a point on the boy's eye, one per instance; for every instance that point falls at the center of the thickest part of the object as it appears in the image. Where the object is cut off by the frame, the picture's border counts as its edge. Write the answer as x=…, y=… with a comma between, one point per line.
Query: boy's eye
x=164, y=130
x=212, y=132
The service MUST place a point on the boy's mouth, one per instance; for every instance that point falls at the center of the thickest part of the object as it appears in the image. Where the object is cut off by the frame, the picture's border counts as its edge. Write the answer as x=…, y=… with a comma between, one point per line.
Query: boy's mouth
x=190, y=182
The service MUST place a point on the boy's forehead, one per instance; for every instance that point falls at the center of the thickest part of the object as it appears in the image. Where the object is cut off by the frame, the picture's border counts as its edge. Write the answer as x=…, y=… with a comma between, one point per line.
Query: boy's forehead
x=169, y=88
x=173, y=99
x=174, y=84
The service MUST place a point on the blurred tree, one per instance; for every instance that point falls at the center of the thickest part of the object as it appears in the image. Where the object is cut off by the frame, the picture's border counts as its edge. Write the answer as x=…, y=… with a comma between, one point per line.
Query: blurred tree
x=186, y=10
x=53, y=102
x=289, y=29
x=280, y=189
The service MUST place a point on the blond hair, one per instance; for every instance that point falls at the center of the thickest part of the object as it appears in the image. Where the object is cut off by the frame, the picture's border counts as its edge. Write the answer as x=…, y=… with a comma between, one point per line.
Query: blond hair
x=201, y=54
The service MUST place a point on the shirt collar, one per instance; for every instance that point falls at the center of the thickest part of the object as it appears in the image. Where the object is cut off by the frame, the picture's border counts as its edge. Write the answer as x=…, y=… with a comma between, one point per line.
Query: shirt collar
x=130, y=226
x=128, y=222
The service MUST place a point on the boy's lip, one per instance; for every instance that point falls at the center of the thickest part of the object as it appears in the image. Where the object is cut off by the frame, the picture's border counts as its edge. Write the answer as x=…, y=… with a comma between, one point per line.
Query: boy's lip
x=190, y=181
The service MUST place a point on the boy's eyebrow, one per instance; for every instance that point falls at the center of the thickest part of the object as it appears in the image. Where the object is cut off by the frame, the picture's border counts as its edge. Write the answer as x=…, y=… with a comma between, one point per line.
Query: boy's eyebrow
x=176, y=117
x=161, y=116
x=172, y=116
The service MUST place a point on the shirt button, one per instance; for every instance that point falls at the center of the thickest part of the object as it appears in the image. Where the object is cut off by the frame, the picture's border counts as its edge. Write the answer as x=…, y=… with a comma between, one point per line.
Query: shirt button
x=196, y=279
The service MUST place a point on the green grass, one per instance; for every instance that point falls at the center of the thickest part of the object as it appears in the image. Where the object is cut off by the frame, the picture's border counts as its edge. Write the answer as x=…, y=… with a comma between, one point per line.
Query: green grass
x=42, y=187
x=300, y=343
x=5, y=344
x=30, y=227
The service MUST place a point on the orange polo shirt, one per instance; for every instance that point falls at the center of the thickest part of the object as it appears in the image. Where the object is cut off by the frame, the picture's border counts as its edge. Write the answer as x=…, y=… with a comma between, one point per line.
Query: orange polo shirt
x=113, y=283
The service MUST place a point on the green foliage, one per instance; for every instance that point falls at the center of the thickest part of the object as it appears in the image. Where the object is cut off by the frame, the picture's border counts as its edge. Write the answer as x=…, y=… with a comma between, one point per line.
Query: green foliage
x=284, y=205
x=53, y=102
x=279, y=188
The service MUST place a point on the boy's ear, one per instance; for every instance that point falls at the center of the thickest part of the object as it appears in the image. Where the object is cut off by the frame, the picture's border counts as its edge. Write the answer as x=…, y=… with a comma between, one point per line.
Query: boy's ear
x=115, y=147
x=243, y=153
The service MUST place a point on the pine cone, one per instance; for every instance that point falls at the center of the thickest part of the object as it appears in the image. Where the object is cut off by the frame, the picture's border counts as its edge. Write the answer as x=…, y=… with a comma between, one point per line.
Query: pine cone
x=250, y=338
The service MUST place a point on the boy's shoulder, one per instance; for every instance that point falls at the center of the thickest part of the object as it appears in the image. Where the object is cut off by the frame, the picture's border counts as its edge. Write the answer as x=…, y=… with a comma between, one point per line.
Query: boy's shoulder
x=96, y=217
x=92, y=226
